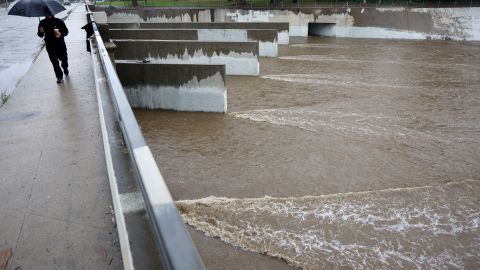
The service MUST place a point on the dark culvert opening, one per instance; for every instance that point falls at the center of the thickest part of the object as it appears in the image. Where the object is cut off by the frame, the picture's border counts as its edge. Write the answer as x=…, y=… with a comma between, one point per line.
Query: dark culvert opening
x=321, y=29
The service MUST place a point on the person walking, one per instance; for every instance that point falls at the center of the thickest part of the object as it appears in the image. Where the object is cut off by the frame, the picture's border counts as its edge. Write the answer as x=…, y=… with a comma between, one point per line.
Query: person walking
x=54, y=30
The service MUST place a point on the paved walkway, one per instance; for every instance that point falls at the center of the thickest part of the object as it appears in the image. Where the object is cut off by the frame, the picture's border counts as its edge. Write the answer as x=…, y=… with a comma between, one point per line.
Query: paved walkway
x=55, y=203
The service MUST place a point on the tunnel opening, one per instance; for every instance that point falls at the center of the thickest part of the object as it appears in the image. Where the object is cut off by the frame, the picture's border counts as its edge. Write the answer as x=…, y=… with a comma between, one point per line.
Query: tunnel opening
x=321, y=29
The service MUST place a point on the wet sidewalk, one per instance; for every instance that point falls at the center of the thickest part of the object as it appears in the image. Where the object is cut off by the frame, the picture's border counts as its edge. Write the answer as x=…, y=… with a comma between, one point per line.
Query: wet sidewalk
x=55, y=202
x=19, y=46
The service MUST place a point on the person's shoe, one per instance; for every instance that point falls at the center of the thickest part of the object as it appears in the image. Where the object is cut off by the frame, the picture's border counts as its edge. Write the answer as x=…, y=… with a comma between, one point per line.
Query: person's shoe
x=66, y=72
x=59, y=80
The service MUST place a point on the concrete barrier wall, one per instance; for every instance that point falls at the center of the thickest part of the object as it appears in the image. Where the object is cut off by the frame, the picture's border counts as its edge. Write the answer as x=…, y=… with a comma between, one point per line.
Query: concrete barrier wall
x=153, y=15
x=267, y=41
x=401, y=23
x=281, y=27
x=239, y=58
x=173, y=86
x=266, y=38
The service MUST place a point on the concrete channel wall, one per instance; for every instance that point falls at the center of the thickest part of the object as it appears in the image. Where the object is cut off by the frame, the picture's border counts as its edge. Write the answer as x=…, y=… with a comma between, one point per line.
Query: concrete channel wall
x=173, y=86
x=266, y=38
x=398, y=23
x=211, y=29
x=239, y=58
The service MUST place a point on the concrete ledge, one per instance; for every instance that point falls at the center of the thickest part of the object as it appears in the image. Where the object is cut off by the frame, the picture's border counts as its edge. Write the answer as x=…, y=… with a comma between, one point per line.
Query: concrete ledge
x=267, y=38
x=239, y=58
x=150, y=34
x=174, y=86
x=282, y=28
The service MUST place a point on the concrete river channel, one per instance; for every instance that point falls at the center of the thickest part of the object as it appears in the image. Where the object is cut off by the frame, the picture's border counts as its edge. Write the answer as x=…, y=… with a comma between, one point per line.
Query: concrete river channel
x=343, y=153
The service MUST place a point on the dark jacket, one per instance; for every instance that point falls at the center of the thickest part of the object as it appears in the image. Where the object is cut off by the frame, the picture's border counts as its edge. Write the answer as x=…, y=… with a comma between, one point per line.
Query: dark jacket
x=50, y=40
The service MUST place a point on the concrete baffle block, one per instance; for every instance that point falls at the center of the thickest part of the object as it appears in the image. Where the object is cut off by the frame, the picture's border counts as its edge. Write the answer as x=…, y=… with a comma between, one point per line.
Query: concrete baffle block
x=176, y=87
x=239, y=58
x=266, y=38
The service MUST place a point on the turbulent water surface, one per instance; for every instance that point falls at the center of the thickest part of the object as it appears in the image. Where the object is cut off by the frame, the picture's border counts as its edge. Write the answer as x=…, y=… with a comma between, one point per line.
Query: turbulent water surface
x=368, y=151
x=424, y=227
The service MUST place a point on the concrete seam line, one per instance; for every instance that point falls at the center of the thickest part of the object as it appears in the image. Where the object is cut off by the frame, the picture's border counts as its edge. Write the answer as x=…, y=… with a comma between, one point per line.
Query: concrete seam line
x=153, y=181
x=120, y=220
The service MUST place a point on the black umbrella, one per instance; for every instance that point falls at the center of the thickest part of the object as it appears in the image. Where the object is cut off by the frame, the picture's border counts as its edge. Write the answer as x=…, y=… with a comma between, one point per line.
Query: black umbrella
x=35, y=8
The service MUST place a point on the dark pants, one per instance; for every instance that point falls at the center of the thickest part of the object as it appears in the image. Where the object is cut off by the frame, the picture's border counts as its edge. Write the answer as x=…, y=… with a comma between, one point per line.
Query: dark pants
x=55, y=54
x=88, y=46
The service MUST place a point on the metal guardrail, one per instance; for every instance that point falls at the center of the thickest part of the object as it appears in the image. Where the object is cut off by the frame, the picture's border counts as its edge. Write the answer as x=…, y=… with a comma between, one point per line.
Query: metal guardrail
x=176, y=247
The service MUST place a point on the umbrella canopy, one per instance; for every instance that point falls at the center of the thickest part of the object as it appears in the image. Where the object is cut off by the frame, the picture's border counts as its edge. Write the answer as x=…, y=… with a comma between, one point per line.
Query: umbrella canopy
x=35, y=8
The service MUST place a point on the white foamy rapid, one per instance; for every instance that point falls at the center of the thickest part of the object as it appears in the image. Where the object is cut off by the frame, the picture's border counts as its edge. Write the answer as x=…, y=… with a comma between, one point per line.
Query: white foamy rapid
x=340, y=121
x=344, y=59
x=344, y=80
x=408, y=228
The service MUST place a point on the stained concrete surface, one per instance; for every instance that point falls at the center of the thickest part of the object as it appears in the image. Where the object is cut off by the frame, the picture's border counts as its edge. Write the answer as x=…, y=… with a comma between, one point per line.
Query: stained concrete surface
x=279, y=26
x=135, y=74
x=172, y=86
x=165, y=49
x=55, y=202
x=194, y=34
x=269, y=35
x=162, y=34
x=400, y=23
x=239, y=58
x=152, y=14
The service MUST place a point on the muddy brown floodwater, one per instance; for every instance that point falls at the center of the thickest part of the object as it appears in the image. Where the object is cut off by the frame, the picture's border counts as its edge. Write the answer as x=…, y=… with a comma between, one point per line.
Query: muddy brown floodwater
x=353, y=153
